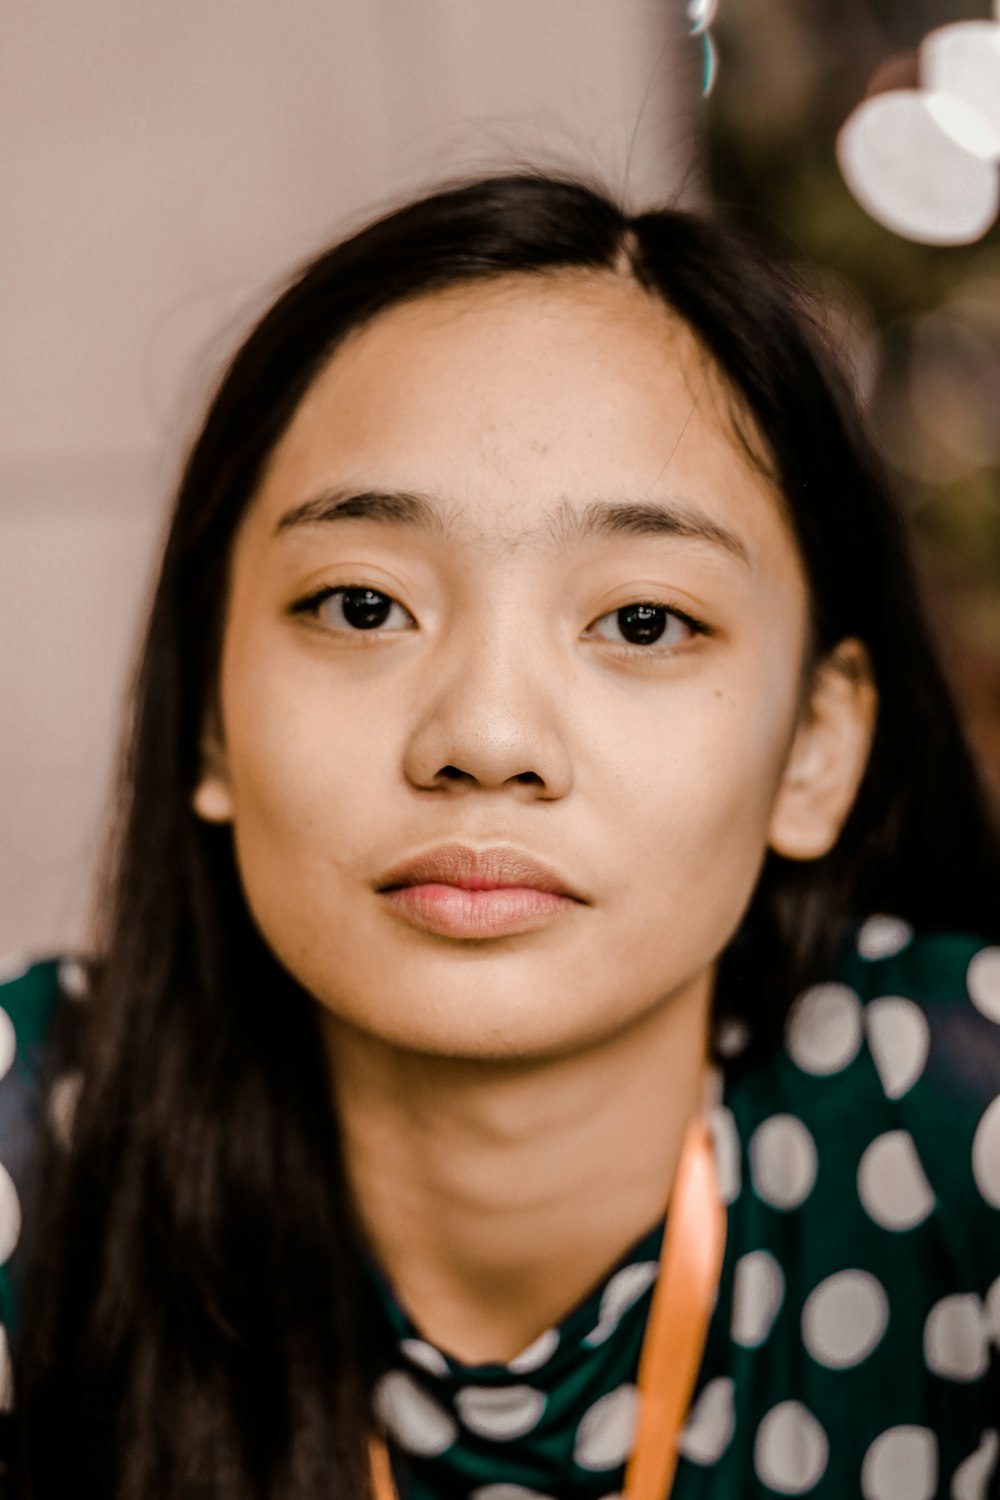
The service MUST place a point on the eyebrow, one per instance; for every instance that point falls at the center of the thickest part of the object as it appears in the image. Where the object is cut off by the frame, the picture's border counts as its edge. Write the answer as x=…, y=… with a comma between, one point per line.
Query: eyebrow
x=566, y=525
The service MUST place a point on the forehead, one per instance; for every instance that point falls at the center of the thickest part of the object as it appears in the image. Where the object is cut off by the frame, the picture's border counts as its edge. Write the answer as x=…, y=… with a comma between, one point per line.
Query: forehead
x=514, y=400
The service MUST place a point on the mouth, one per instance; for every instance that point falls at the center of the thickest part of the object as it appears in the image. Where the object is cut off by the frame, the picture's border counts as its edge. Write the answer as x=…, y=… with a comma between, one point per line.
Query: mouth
x=455, y=911
x=478, y=868
x=462, y=890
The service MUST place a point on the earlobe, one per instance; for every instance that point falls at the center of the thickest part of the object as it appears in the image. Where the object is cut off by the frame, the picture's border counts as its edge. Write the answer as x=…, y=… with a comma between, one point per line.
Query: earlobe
x=829, y=753
x=212, y=797
x=212, y=800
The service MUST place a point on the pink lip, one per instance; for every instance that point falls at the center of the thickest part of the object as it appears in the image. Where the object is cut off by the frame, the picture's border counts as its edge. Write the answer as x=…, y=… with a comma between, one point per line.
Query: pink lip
x=463, y=891
x=478, y=869
x=455, y=911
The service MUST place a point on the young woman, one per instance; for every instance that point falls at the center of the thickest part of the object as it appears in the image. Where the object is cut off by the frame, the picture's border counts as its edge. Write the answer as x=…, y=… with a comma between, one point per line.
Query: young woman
x=537, y=747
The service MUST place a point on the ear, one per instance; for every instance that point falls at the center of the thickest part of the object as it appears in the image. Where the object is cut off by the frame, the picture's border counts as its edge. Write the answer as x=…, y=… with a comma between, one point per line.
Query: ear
x=212, y=797
x=828, y=756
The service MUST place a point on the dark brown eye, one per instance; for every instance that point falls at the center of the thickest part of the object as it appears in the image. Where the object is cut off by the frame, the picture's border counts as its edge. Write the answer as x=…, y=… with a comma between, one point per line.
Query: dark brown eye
x=351, y=608
x=365, y=608
x=648, y=624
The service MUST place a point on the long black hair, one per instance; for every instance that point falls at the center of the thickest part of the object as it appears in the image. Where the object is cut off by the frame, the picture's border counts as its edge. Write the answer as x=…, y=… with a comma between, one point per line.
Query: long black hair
x=193, y=1324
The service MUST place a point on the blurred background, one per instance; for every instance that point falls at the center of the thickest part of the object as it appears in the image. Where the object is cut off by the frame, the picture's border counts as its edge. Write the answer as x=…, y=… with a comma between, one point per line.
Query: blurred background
x=164, y=167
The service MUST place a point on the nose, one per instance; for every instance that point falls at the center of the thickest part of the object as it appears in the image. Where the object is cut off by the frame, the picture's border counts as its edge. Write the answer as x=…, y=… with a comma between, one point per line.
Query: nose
x=490, y=716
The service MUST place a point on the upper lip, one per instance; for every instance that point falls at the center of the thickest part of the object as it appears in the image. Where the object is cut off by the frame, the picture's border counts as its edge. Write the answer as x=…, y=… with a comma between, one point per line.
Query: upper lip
x=478, y=868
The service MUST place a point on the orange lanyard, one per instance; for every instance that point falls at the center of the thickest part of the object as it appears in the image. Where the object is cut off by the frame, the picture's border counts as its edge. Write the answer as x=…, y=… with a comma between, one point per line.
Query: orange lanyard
x=690, y=1264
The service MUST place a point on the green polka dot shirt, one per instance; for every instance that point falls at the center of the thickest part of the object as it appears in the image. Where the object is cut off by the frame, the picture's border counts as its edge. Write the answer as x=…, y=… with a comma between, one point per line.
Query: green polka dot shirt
x=854, y=1345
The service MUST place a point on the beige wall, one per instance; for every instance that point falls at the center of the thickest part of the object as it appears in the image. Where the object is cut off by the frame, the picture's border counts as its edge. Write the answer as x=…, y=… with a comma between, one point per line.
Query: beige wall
x=161, y=166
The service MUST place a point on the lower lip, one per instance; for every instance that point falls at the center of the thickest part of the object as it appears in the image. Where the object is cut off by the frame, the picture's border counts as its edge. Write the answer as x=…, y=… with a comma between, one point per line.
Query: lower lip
x=454, y=912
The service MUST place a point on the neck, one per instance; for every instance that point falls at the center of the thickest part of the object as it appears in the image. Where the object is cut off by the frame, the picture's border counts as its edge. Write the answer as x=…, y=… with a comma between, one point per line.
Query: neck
x=496, y=1194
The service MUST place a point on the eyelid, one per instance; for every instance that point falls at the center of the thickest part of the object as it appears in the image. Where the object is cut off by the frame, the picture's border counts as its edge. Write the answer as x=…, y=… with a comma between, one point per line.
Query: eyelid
x=318, y=596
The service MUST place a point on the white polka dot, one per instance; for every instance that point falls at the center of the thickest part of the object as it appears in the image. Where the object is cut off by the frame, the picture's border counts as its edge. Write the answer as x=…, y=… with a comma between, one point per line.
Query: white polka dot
x=726, y=1147
x=758, y=1292
x=502, y=1412
x=901, y=1464
x=783, y=1161
x=411, y=1417
x=983, y=980
x=956, y=1338
x=986, y=1154
x=13, y=967
x=418, y=1352
x=790, y=1450
x=622, y=1292
x=506, y=1492
x=537, y=1353
x=891, y=1182
x=882, y=936
x=993, y=1310
x=73, y=978
x=707, y=1432
x=974, y=1473
x=8, y=1042
x=713, y=1093
x=604, y=1437
x=10, y=1215
x=732, y=1036
x=63, y=1098
x=824, y=1032
x=6, y=1373
x=900, y=1040
x=844, y=1319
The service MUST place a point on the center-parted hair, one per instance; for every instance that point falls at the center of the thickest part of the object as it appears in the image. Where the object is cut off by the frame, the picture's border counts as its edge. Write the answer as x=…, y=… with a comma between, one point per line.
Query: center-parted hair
x=193, y=1325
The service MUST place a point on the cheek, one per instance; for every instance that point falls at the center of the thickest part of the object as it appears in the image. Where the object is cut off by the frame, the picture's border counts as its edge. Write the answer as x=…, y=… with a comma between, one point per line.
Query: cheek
x=697, y=782
x=300, y=763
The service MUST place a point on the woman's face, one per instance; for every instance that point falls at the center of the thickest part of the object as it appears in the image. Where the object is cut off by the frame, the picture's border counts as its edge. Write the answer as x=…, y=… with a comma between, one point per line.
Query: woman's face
x=543, y=427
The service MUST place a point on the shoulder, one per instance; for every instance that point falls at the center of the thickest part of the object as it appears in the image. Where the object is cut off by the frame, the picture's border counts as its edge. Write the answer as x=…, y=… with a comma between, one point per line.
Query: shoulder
x=35, y=995
x=931, y=1017
x=889, y=1081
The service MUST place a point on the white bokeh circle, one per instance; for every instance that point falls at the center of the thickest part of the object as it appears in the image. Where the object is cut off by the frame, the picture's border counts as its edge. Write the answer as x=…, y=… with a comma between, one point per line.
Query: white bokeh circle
x=892, y=1184
x=844, y=1319
x=911, y=175
x=790, y=1450
x=726, y=1148
x=622, y=1292
x=418, y=1423
x=783, y=1161
x=900, y=1041
x=901, y=1464
x=963, y=61
x=10, y=1215
x=825, y=1029
x=956, y=1338
x=420, y=1353
x=983, y=980
x=8, y=1043
x=758, y=1292
x=986, y=1154
x=992, y=1303
x=709, y=1427
x=502, y=1412
x=506, y=1492
x=883, y=936
x=974, y=1473
x=604, y=1437
x=538, y=1353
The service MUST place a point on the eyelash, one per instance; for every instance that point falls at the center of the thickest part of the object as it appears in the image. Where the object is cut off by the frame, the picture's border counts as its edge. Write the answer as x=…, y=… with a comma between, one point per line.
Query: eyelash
x=311, y=604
